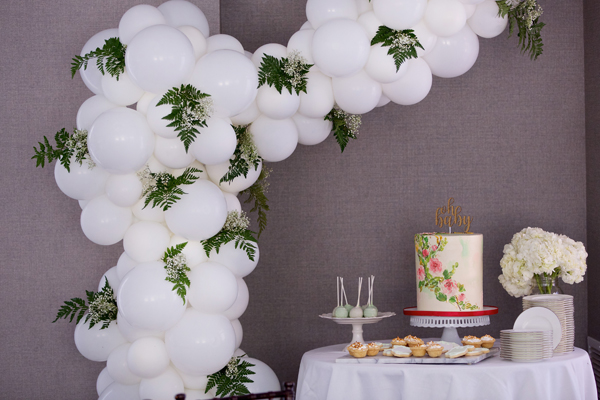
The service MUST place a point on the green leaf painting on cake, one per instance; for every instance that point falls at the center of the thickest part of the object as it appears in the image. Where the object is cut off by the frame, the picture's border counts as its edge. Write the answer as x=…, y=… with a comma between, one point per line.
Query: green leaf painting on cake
x=437, y=278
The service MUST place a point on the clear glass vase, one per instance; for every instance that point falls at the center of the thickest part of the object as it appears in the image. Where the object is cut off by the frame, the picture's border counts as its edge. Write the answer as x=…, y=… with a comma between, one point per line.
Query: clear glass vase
x=546, y=284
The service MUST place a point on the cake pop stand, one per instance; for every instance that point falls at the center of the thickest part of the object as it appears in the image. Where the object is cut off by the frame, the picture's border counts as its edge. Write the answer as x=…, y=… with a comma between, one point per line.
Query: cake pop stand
x=357, y=323
x=450, y=320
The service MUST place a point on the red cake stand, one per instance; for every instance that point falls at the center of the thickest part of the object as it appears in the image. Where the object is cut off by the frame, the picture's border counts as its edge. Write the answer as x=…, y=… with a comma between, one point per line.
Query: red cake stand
x=450, y=320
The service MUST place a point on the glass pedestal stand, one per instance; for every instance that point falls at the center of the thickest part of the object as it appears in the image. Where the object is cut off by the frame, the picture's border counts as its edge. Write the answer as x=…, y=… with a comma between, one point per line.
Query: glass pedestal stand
x=357, y=324
x=450, y=320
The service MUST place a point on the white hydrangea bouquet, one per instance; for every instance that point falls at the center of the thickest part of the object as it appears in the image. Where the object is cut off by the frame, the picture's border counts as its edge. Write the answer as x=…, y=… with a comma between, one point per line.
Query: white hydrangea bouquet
x=534, y=254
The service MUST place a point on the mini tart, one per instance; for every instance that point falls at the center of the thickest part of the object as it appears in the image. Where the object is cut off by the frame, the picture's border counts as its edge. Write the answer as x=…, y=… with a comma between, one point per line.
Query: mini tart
x=398, y=342
x=473, y=340
x=487, y=341
x=434, y=350
x=413, y=341
x=418, y=351
x=357, y=349
x=401, y=351
x=373, y=349
x=457, y=352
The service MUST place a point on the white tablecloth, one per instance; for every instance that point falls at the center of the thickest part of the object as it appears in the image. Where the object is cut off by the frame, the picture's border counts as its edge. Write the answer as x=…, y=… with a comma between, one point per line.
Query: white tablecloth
x=566, y=377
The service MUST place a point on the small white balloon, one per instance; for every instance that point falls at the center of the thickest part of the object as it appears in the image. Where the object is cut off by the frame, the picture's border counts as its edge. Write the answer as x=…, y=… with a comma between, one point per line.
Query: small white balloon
x=91, y=109
x=384, y=100
x=306, y=25
x=445, y=17
x=197, y=40
x=146, y=241
x=381, y=66
x=233, y=204
x=319, y=12
x=371, y=23
x=312, y=131
x=486, y=22
x=144, y=102
x=147, y=357
x=472, y=1
x=148, y=213
x=124, y=190
x=195, y=382
x=113, y=279
x=171, y=153
x=83, y=203
x=399, y=14
x=426, y=38
x=95, y=343
x=413, y=86
x=223, y=42
x=215, y=143
x=118, y=368
x=357, y=94
x=363, y=6
x=247, y=116
x=236, y=259
x=301, y=42
x=272, y=49
x=138, y=18
x=275, y=139
x=179, y=13
x=470, y=10
x=318, y=100
x=131, y=333
x=156, y=166
x=264, y=378
x=454, y=55
x=277, y=105
x=91, y=76
x=239, y=332
x=155, y=116
x=118, y=391
x=82, y=182
x=103, y=381
x=193, y=250
x=213, y=288
x=124, y=265
x=241, y=302
x=163, y=387
x=218, y=171
x=340, y=47
x=103, y=222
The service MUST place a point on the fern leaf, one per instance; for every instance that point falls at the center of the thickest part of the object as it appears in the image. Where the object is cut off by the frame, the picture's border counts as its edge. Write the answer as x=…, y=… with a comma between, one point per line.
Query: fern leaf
x=402, y=43
x=289, y=72
x=244, y=157
x=345, y=126
x=257, y=195
x=110, y=58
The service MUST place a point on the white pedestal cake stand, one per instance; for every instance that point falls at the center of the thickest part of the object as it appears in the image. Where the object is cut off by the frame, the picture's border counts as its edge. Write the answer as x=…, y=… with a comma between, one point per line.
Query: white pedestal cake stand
x=450, y=320
x=357, y=323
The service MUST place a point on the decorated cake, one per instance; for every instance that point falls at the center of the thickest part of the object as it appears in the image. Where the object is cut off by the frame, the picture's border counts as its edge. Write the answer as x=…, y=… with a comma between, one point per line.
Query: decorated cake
x=449, y=271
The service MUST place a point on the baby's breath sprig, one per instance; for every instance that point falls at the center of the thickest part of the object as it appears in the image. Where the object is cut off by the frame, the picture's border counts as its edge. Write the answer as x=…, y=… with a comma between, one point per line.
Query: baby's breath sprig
x=234, y=229
x=289, y=72
x=257, y=194
x=245, y=155
x=101, y=308
x=524, y=14
x=402, y=44
x=177, y=269
x=345, y=126
x=67, y=146
x=191, y=109
x=163, y=189
x=110, y=57
x=231, y=379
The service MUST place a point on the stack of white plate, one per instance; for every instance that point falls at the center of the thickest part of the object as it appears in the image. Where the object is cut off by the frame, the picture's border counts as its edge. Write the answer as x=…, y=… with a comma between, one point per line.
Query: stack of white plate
x=523, y=345
x=562, y=306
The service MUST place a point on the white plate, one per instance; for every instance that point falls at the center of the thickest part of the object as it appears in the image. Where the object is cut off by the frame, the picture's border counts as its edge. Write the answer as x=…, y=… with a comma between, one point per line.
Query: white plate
x=540, y=318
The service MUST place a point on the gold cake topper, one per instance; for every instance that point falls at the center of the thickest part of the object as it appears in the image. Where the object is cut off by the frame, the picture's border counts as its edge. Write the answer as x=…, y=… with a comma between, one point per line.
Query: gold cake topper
x=453, y=217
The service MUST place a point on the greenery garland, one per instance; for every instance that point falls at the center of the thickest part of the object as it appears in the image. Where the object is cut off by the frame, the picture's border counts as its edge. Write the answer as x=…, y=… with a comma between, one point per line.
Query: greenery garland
x=289, y=72
x=245, y=155
x=235, y=230
x=67, y=146
x=345, y=126
x=231, y=379
x=524, y=14
x=257, y=195
x=402, y=43
x=110, y=57
x=163, y=189
x=177, y=269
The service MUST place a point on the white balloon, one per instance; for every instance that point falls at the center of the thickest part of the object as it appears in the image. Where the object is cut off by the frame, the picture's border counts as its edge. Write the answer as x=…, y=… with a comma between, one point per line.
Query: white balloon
x=312, y=131
x=485, y=22
x=91, y=109
x=275, y=139
x=120, y=140
x=472, y=1
x=399, y=14
x=318, y=100
x=264, y=379
x=239, y=332
x=470, y=10
x=144, y=102
x=113, y=279
x=277, y=105
x=179, y=13
x=147, y=300
x=247, y=116
x=200, y=344
x=381, y=66
x=241, y=302
x=215, y=143
x=156, y=166
x=147, y=357
x=213, y=288
x=306, y=25
x=383, y=100
x=223, y=42
x=146, y=241
x=155, y=116
x=371, y=23
x=340, y=47
x=426, y=38
x=445, y=17
x=124, y=265
x=217, y=171
x=131, y=333
x=413, y=86
x=138, y=18
x=229, y=77
x=301, y=42
x=200, y=214
x=91, y=75
x=193, y=251
x=196, y=382
x=124, y=190
x=235, y=259
x=171, y=152
x=357, y=94
x=159, y=58
x=318, y=12
x=83, y=182
x=363, y=6
x=83, y=203
x=233, y=204
x=118, y=368
x=103, y=381
x=197, y=40
x=454, y=55
x=239, y=353
x=148, y=213
x=118, y=391
x=163, y=387
x=273, y=49
x=96, y=344
x=103, y=222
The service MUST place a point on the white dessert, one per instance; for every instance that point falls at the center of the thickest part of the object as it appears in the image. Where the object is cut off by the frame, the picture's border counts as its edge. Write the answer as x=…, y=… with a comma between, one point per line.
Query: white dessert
x=457, y=352
x=401, y=351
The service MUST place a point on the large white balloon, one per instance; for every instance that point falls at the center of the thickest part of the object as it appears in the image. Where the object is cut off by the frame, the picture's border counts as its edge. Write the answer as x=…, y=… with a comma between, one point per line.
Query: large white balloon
x=229, y=77
x=215, y=143
x=213, y=288
x=486, y=22
x=445, y=17
x=340, y=47
x=147, y=300
x=124, y=190
x=318, y=100
x=196, y=38
x=272, y=49
x=275, y=139
x=200, y=344
x=91, y=76
x=235, y=259
x=399, y=14
x=413, y=86
x=159, y=58
x=146, y=241
x=356, y=94
x=138, y=18
x=193, y=251
x=454, y=55
x=171, y=152
x=201, y=212
x=118, y=391
x=82, y=182
x=241, y=302
x=277, y=105
x=91, y=109
x=120, y=140
x=113, y=279
x=319, y=12
x=96, y=344
x=223, y=42
x=103, y=222
x=381, y=66
x=426, y=38
x=147, y=357
x=155, y=116
x=301, y=42
x=118, y=368
x=264, y=379
x=218, y=171
x=179, y=13
x=131, y=333
x=103, y=381
x=312, y=131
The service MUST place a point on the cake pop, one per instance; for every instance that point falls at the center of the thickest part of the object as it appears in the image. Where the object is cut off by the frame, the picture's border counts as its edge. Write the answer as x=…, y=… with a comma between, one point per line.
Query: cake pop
x=371, y=311
x=346, y=306
x=339, y=311
x=357, y=312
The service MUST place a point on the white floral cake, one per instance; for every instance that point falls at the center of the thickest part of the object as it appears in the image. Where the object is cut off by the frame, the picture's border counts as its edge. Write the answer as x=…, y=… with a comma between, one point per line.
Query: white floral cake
x=449, y=271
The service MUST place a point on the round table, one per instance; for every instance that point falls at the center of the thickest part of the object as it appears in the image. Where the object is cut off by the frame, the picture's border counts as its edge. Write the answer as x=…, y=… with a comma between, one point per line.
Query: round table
x=562, y=377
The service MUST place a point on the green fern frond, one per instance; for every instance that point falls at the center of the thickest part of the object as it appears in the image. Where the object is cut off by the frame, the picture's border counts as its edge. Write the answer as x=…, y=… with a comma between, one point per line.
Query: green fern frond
x=245, y=155
x=67, y=145
x=345, y=126
x=177, y=269
x=164, y=189
x=257, y=195
x=243, y=240
x=110, y=57
x=402, y=43
x=231, y=379
x=289, y=72
x=524, y=16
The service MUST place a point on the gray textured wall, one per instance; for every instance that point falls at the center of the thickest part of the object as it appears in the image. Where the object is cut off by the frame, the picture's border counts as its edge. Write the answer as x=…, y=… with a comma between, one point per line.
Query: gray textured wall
x=507, y=140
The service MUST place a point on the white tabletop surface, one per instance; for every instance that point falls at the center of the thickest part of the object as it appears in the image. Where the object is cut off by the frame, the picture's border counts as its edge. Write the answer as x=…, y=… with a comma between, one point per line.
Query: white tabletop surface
x=559, y=378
